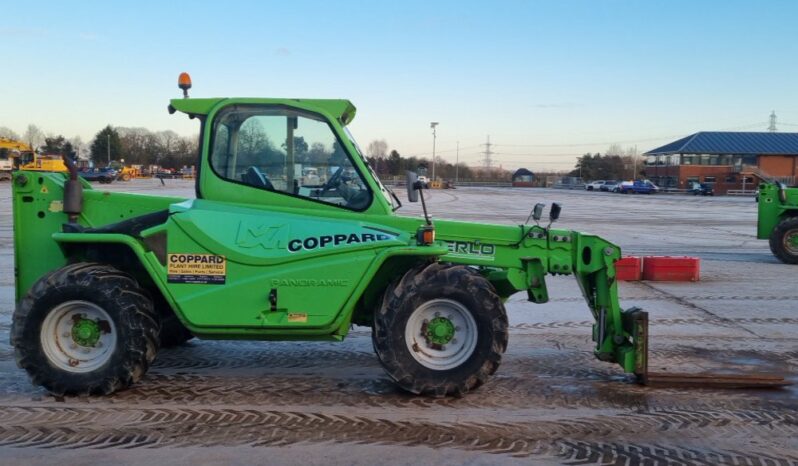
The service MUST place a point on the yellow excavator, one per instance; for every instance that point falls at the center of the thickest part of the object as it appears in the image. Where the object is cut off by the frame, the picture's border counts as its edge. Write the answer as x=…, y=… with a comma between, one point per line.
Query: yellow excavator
x=17, y=155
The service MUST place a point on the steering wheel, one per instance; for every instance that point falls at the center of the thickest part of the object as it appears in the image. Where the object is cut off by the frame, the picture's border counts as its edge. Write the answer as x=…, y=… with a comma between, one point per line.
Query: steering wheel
x=333, y=181
x=255, y=177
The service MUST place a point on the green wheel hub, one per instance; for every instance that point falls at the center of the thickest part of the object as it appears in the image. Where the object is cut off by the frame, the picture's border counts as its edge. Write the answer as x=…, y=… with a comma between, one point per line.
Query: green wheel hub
x=440, y=331
x=791, y=241
x=86, y=332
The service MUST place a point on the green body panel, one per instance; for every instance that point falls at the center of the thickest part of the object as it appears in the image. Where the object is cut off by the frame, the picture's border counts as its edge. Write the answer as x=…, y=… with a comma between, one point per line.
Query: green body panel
x=38, y=213
x=771, y=210
x=294, y=268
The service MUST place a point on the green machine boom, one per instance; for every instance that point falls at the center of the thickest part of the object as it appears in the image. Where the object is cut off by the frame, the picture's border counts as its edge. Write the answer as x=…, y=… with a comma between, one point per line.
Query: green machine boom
x=777, y=220
x=291, y=236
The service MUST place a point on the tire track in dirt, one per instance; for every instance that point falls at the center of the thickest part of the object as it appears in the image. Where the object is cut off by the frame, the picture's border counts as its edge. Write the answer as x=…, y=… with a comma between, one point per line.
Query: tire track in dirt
x=575, y=438
x=502, y=392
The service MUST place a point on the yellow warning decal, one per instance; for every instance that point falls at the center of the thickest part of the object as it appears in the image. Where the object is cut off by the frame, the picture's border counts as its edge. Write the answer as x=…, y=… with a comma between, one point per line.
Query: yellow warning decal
x=297, y=317
x=196, y=268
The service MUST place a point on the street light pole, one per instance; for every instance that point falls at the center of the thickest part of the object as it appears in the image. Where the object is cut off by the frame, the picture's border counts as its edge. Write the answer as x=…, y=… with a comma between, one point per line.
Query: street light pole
x=108, y=146
x=434, y=137
x=457, y=165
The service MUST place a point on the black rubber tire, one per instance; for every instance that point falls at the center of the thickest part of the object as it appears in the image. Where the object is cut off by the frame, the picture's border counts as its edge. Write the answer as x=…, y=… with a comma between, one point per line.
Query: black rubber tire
x=173, y=332
x=787, y=225
x=120, y=297
x=433, y=281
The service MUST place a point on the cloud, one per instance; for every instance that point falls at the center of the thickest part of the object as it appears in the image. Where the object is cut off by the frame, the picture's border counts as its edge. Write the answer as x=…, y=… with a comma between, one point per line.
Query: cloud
x=282, y=51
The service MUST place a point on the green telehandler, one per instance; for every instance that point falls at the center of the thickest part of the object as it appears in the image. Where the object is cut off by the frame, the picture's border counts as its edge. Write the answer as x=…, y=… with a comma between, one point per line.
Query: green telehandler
x=291, y=236
x=777, y=220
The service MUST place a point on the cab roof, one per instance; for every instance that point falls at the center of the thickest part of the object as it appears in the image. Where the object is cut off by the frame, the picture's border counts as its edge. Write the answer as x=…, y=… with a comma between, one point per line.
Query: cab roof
x=340, y=109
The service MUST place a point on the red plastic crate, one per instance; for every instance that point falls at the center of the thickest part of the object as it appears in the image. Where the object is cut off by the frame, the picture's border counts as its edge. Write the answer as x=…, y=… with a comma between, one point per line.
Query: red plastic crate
x=628, y=269
x=671, y=269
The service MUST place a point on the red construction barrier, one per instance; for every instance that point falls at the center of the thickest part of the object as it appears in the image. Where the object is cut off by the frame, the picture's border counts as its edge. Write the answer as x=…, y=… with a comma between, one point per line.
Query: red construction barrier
x=628, y=269
x=671, y=269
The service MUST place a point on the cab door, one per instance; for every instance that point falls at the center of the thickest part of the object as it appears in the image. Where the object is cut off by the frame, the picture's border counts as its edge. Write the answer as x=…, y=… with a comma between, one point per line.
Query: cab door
x=294, y=253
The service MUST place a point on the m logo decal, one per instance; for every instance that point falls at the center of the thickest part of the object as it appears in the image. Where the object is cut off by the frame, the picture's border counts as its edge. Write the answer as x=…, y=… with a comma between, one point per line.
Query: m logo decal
x=266, y=236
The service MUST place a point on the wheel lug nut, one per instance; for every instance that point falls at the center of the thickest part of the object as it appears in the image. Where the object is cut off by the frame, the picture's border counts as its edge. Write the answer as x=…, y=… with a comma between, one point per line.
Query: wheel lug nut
x=457, y=329
x=437, y=314
x=454, y=340
x=67, y=334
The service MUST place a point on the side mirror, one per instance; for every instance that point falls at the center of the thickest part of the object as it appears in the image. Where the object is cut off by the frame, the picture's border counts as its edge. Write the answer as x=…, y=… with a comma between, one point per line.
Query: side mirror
x=412, y=180
x=554, y=212
x=537, y=211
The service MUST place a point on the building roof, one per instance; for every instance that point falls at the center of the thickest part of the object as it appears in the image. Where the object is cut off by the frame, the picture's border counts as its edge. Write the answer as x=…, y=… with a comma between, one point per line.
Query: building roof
x=727, y=142
x=522, y=172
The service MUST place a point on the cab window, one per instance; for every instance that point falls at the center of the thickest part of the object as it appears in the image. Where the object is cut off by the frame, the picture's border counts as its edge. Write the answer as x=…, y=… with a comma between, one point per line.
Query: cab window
x=288, y=152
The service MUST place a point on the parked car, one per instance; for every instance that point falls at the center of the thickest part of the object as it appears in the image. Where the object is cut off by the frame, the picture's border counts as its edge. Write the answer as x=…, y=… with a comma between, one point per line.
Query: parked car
x=703, y=189
x=637, y=187
x=424, y=181
x=594, y=185
x=609, y=186
x=103, y=175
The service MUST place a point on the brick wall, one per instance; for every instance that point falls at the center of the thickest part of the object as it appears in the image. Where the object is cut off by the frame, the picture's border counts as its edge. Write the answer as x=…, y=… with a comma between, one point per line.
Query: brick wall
x=725, y=176
x=778, y=165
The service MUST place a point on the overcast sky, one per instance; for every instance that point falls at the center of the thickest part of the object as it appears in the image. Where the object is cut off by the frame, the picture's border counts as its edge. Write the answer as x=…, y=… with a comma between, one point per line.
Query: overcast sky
x=546, y=80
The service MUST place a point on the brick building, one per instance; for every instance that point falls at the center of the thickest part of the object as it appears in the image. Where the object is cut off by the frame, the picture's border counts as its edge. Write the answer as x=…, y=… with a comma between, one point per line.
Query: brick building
x=726, y=160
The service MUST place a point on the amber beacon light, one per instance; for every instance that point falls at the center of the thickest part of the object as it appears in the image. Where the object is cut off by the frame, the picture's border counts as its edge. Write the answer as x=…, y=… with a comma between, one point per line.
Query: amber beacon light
x=184, y=82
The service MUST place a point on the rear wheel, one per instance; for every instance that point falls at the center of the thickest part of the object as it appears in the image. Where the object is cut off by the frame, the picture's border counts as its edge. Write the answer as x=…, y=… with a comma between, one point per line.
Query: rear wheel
x=85, y=329
x=441, y=330
x=784, y=240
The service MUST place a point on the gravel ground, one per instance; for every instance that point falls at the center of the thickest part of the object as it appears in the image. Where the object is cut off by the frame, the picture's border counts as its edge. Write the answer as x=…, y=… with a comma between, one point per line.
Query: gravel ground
x=212, y=402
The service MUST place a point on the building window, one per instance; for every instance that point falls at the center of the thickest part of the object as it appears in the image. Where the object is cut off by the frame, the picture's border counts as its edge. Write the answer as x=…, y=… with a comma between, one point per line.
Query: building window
x=688, y=159
x=709, y=179
x=692, y=179
x=731, y=179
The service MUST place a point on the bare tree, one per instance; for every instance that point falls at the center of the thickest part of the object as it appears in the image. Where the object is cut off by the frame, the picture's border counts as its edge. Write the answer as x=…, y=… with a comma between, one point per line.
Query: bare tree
x=80, y=147
x=377, y=150
x=34, y=136
x=614, y=149
x=6, y=132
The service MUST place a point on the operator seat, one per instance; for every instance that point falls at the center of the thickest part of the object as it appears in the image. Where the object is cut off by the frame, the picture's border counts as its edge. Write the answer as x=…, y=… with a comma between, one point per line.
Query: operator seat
x=254, y=177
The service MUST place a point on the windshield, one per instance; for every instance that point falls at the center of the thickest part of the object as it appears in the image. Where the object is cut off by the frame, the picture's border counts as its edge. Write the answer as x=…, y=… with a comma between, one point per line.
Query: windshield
x=288, y=152
x=387, y=193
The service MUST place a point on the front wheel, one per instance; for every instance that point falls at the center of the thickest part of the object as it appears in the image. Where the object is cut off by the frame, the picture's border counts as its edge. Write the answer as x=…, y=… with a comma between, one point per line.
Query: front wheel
x=441, y=330
x=85, y=329
x=784, y=240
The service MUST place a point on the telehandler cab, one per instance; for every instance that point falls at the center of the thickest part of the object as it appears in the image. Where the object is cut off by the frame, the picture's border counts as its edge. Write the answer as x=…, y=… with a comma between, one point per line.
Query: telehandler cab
x=104, y=279
x=777, y=220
